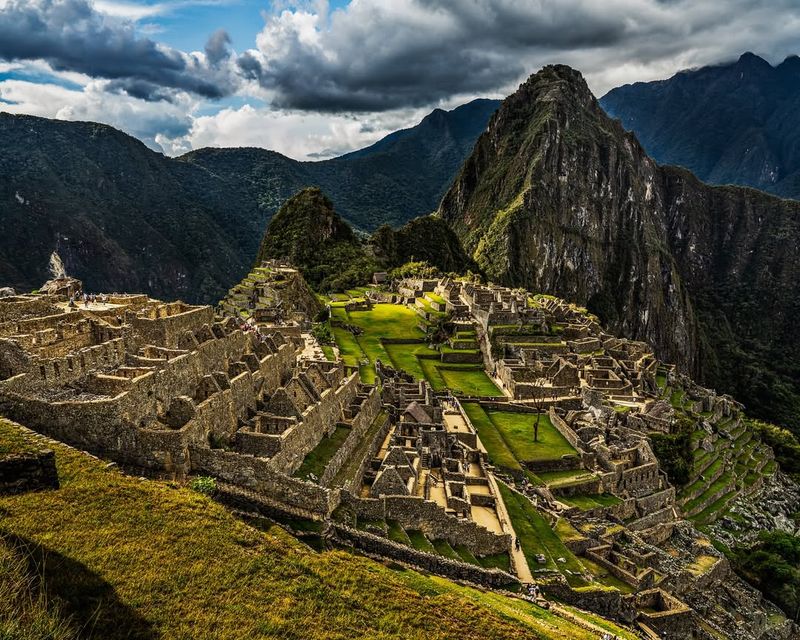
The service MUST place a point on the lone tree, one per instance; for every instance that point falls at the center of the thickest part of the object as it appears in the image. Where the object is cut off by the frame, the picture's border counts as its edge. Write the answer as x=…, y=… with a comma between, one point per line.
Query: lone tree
x=538, y=404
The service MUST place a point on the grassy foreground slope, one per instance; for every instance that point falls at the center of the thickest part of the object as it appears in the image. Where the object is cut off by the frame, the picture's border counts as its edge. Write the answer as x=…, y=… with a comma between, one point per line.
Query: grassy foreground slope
x=130, y=558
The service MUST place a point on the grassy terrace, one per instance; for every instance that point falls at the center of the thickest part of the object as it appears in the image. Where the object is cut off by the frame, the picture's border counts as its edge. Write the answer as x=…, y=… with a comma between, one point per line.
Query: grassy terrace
x=537, y=537
x=350, y=468
x=317, y=459
x=586, y=502
x=135, y=558
x=461, y=379
x=508, y=435
x=418, y=540
x=418, y=359
x=14, y=441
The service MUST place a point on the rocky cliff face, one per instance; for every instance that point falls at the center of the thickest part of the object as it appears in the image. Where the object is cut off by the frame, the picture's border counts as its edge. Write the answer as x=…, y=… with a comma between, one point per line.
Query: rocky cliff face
x=557, y=197
x=733, y=123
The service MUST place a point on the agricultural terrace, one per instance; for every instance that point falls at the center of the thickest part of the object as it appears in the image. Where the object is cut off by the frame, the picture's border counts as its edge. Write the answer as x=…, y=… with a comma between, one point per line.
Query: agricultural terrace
x=393, y=334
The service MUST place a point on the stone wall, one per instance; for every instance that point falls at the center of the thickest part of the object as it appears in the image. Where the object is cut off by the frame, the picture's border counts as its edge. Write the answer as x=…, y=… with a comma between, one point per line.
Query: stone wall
x=377, y=546
x=28, y=472
x=256, y=474
x=606, y=602
x=416, y=513
x=564, y=429
x=317, y=420
x=167, y=323
x=354, y=484
x=360, y=425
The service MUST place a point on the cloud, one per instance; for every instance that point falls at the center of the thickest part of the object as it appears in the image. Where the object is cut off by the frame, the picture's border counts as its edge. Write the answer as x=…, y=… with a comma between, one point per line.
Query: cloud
x=302, y=136
x=71, y=35
x=321, y=81
x=380, y=54
x=95, y=102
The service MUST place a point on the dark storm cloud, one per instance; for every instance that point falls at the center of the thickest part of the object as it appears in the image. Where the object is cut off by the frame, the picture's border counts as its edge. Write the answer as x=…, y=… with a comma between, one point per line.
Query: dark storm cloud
x=376, y=55
x=218, y=47
x=71, y=36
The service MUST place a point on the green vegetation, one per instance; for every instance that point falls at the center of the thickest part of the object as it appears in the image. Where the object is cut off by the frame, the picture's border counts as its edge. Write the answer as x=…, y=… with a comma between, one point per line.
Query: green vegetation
x=783, y=442
x=674, y=453
x=565, y=477
x=419, y=541
x=383, y=324
x=517, y=431
x=508, y=436
x=499, y=452
x=315, y=462
x=15, y=441
x=26, y=611
x=537, y=537
x=464, y=379
x=208, y=575
x=205, y=485
x=772, y=565
x=308, y=233
x=427, y=240
x=591, y=501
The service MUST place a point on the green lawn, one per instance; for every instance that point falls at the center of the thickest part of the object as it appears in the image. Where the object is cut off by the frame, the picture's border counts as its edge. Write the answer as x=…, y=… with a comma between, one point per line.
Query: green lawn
x=405, y=357
x=470, y=380
x=495, y=445
x=318, y=458
x=592, y=501
x=537, y=537
x=517, y=431
x=328, y=351
x=382, y=321
x=459, y=378
x=508, y=437
x=399, y=322
x=387, y=321
x=419, y=541
x=565, y=477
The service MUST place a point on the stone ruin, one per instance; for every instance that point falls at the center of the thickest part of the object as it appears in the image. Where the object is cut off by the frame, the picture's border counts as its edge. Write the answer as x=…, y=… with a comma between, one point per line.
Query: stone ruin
x=177, y=390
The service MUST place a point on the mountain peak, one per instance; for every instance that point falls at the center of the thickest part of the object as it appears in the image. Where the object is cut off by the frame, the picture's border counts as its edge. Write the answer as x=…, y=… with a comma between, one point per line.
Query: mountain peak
x=750, y=60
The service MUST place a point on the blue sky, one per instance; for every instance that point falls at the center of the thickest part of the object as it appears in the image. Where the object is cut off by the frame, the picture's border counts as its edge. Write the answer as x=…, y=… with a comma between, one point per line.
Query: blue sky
x=317, y=78
x=188, y=26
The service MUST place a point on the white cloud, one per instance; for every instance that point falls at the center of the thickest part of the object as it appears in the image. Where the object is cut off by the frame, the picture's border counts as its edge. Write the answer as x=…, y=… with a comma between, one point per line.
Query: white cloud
x=138, y=11
x=138, y=118
x=388, y=61
x=302, y=136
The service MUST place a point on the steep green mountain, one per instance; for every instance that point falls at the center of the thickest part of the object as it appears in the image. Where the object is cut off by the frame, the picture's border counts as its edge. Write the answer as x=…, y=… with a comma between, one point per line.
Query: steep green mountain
x=735, y=123
x=396, y=179
x=310, y=235
x=121, y=216
x=427, y=238
x=126, y=218
x=558, y=197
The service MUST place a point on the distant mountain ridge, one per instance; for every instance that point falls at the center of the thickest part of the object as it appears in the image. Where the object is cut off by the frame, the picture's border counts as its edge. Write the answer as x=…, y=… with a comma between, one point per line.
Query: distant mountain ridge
x=124, y=217
x=559, y=198
x=736, y=123
x=398, y=178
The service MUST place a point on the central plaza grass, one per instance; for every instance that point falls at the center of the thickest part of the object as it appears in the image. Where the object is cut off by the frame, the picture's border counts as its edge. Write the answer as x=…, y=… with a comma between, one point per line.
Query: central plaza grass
x=496, y=447
x=141, y=559
x=386, y=322
x=508, y=435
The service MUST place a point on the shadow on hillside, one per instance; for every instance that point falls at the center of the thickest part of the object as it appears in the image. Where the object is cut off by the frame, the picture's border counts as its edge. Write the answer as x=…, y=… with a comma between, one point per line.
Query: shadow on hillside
x=90, y=602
